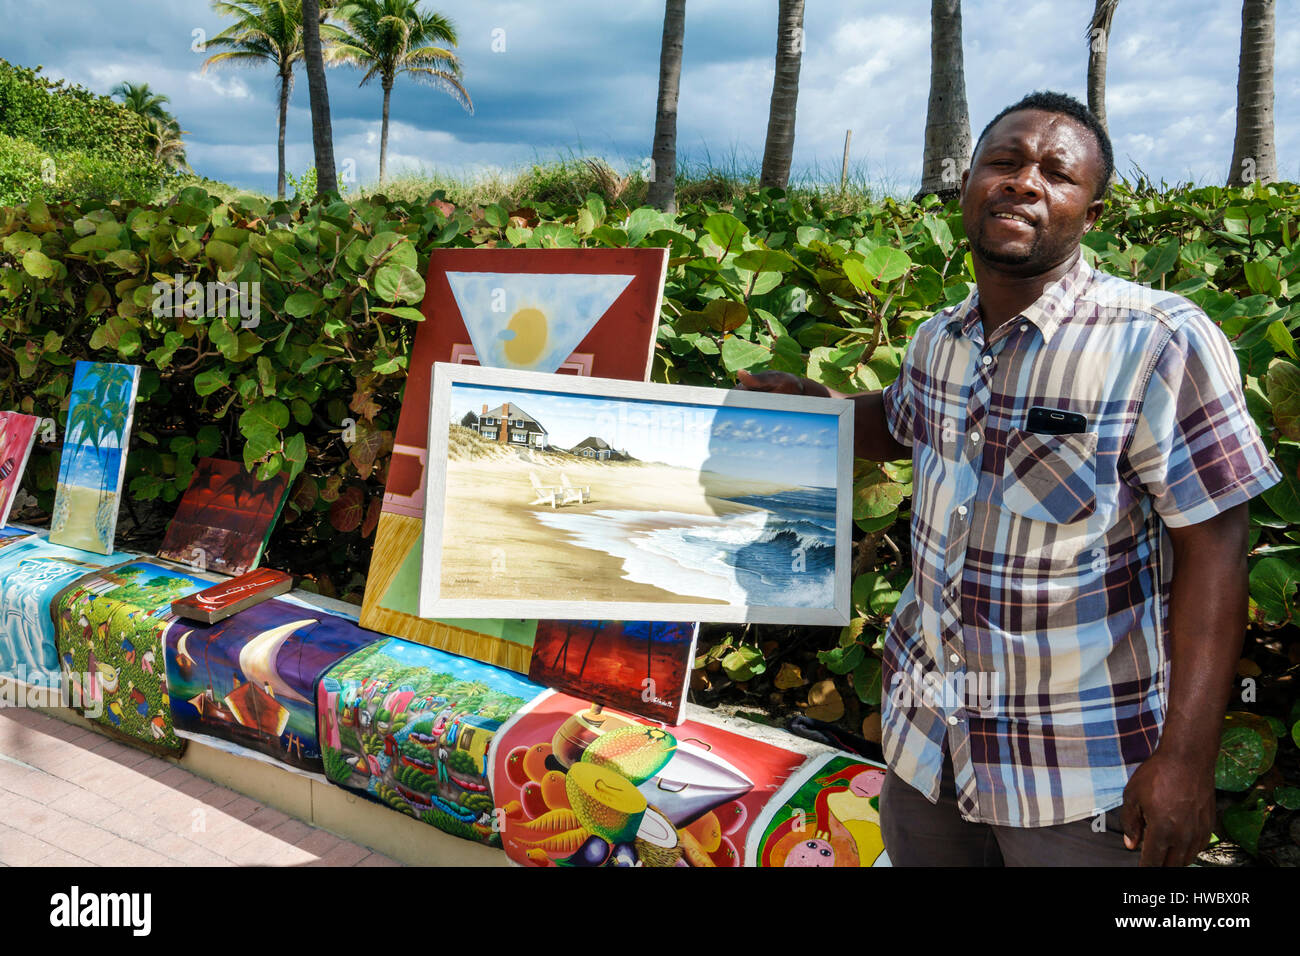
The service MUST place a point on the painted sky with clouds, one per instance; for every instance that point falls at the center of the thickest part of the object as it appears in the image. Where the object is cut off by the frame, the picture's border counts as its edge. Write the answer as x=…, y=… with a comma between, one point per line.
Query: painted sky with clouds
x=578, y=77
x=757, y=443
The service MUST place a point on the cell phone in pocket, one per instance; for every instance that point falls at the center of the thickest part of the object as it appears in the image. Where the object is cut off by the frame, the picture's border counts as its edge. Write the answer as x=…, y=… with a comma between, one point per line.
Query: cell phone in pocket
x=1054, y=421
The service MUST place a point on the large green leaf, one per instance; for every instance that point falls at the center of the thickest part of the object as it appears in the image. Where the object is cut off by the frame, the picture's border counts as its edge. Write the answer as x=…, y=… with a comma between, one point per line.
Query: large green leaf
x=1283, y=386
x=1273, y=583
x=1284, y=497
x=399, y=284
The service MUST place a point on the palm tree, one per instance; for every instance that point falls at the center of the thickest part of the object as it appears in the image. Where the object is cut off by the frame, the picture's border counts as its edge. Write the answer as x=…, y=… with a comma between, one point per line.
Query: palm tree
x=1253, y=153
x=391, y=37
x=664, y=153
x=322, y=133
x=947, y=120
x=779, y=148
x=138, y=98
x=265, y=31
x=163, y=131
x=1098, y=42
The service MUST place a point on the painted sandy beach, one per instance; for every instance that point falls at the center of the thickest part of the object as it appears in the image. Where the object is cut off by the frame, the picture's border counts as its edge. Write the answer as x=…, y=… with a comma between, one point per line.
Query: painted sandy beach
x=624, y=542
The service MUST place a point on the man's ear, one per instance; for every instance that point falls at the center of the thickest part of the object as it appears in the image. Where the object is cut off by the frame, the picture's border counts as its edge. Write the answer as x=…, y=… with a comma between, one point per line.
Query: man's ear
x=1094, y=210
x=961, y=195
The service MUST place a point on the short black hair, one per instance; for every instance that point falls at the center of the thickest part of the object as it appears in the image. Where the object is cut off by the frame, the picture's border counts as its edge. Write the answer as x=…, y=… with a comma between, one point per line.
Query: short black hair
x=1066, y=105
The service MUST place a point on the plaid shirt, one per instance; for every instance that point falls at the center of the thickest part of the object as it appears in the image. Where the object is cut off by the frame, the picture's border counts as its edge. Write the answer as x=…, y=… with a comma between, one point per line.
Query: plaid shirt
x=1030, y=641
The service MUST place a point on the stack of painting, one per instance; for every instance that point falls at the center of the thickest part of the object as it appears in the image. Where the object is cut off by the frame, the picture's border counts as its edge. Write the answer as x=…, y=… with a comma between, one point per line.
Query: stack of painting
x=110, y=627
x=225, y=518
x=250, y=680
x=576, y=312
x=17, y=436
x=100, y=409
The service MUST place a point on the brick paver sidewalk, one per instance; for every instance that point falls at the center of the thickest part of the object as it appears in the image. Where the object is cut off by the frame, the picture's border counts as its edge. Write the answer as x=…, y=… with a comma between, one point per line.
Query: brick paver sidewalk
x=72, y=796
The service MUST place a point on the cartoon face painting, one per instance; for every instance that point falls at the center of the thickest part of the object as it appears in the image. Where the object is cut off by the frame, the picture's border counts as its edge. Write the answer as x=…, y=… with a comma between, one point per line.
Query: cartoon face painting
x=816, y=852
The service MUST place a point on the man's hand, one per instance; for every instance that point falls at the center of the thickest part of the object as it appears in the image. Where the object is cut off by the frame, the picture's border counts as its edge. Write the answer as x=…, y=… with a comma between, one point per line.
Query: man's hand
x=1169, y=809
x=782, y=383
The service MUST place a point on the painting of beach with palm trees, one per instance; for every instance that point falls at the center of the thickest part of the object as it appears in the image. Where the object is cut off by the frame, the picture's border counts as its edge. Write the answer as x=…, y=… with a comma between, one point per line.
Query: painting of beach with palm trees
x=94, y=456
x=225, y=517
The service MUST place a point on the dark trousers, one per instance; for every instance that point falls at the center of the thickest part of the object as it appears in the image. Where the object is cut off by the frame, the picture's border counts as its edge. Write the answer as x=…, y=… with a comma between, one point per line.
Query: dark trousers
x=920, y=833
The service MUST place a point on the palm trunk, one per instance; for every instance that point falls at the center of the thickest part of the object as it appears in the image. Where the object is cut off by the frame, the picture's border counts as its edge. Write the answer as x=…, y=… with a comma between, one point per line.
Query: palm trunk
x=286, y=81
x=947, y=122
x=322, y=134
x=1098, y=43
x=664, y=185
x=383, y=132
x=779, y=149
x=1253, y=154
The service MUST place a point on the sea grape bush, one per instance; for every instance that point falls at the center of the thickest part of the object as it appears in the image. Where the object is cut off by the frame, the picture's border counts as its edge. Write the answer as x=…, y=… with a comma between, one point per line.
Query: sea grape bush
x=313, y=385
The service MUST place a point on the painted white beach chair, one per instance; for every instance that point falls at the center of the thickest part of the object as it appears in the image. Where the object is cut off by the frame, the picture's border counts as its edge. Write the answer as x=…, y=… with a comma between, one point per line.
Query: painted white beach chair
x=546, y=494
x=579, y=494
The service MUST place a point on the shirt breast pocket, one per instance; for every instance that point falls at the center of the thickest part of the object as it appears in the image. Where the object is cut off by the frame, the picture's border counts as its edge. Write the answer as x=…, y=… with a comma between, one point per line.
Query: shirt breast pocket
x=1050, y=477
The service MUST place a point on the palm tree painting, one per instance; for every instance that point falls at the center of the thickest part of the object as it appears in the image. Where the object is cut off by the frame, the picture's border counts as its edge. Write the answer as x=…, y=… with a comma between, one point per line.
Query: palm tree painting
x=93, y=462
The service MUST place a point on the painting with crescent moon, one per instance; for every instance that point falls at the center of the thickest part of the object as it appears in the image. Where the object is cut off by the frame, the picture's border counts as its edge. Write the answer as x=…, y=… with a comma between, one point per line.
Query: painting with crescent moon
x=592, y=312
x=109, y=629
x=251, y=678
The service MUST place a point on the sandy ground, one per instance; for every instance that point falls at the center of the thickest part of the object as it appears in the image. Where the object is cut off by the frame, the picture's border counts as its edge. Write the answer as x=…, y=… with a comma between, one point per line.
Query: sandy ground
x=491, y=529
x=80, y=530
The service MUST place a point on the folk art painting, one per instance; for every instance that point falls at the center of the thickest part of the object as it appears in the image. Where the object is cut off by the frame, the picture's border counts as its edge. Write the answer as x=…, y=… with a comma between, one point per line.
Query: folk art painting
x=225, y=517
x=413, y=727
x=17, y=436
x=584, y=497
x=582, y=785
x=33, y=573
x=639, y=666
x=93, y=462
x=827, y=814
x=251, y=679
x=572, y=311
x=110, y=628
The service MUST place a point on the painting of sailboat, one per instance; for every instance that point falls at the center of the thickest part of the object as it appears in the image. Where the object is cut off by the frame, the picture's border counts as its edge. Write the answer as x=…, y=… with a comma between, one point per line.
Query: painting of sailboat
x=250, y=679
x=100, y=409
x=630, y=793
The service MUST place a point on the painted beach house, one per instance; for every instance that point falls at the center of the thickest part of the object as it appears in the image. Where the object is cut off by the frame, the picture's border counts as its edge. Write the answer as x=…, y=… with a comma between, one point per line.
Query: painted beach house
x=509, y=425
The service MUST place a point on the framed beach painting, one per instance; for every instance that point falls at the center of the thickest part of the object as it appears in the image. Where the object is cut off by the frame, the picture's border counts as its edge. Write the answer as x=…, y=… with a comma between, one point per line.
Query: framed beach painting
x=576, y=312
x=100, y=409
x=579, y=498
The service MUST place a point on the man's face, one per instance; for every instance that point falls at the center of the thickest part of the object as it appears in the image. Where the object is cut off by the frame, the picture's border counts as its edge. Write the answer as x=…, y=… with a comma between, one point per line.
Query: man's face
x=1028, y=197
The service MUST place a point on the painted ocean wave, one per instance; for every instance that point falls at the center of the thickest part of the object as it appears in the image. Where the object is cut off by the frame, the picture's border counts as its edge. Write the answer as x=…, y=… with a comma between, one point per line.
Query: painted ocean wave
x=784, y=557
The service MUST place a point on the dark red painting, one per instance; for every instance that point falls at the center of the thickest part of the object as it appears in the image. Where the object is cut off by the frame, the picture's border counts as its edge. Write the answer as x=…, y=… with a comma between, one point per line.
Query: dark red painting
x=637, y=666
x=225, y=518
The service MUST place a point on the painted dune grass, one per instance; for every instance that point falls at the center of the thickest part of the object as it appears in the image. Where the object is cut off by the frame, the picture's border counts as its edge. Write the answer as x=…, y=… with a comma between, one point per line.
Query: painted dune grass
x=94, y=456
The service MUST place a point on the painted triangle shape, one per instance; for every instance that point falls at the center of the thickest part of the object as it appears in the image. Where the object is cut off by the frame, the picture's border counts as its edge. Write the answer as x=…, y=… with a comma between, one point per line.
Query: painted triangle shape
x=531, y=321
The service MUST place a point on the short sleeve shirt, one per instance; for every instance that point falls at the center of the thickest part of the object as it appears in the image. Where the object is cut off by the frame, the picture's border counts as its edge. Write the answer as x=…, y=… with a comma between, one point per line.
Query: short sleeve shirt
x=1030, y=643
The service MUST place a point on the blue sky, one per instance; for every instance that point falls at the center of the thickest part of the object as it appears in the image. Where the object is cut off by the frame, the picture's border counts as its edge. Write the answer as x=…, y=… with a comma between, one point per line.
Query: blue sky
x=768, y=445
x=578, y=77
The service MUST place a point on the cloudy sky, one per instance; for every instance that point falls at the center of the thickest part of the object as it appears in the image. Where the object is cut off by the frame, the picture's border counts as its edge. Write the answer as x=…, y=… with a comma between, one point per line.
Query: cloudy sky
x=578, y=77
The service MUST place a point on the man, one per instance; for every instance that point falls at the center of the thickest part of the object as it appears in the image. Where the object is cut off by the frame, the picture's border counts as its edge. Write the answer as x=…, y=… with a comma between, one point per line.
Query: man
x=1082, y=461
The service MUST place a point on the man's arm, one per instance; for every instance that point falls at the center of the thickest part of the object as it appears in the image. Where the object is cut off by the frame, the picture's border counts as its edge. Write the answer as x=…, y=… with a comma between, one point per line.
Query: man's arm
x=871, y=436
x=1169, y=802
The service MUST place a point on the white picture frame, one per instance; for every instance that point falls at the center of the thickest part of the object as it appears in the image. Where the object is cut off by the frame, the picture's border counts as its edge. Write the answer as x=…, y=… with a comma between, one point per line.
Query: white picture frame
x=799, y=447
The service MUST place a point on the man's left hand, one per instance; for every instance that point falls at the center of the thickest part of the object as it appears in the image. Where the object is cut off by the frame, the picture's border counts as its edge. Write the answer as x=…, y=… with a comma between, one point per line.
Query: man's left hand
x=1169, y=810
